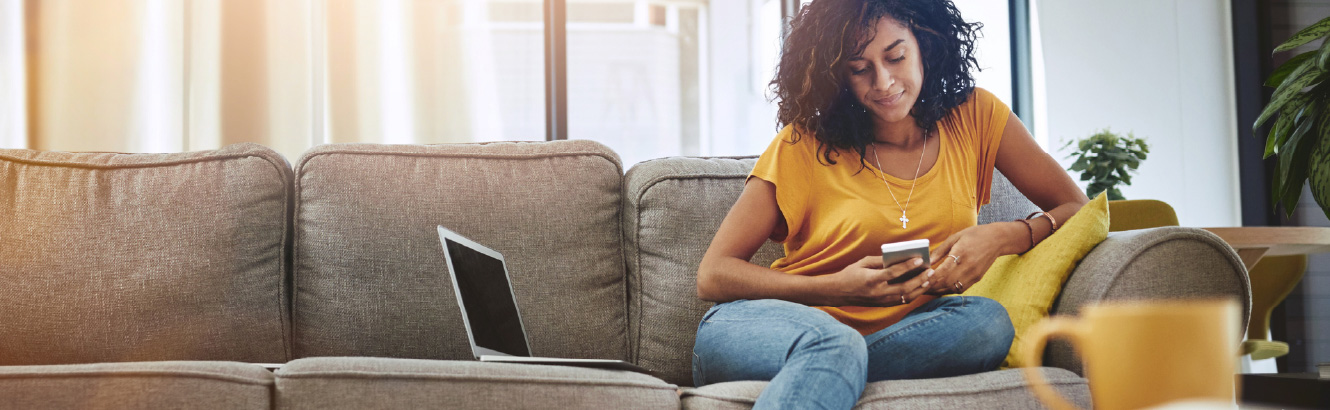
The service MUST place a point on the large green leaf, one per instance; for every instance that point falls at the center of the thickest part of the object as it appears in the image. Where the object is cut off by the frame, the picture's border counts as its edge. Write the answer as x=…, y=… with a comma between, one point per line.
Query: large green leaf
x=1294, y=162
x=1323, y=55
x=1302, y=77
x=1285, y=123
x=1289, y=151
x=1318, y=172
x=1283, y=71
x=1278, y=134
x=1306, y=35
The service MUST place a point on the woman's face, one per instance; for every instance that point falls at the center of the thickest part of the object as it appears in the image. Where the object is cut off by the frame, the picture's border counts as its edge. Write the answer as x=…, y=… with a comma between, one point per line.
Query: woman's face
x=887, y=76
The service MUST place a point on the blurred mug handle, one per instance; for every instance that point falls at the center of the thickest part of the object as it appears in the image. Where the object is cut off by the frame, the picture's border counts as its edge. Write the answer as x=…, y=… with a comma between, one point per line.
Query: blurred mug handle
x=1033, y=352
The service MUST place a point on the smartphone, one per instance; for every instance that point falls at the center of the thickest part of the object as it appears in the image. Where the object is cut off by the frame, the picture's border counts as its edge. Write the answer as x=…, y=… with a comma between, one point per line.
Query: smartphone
x=893, y=253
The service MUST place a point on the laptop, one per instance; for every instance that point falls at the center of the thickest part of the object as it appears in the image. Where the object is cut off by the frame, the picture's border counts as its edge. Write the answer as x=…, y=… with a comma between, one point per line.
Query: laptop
x=489, y=309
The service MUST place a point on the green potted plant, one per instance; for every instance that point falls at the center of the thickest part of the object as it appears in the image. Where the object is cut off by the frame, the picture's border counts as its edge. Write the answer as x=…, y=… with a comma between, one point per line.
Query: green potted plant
x=1300, y=108
x=1106, y=159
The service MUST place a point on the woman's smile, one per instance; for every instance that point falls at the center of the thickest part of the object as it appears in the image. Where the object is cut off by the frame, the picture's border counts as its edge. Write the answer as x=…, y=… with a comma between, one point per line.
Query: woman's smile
x=890, y=99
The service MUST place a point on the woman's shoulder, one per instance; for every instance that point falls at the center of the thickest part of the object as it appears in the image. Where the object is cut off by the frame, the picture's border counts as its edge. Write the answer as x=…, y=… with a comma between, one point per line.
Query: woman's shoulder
x=978, y=98
x=979, y=108
x=793, y=138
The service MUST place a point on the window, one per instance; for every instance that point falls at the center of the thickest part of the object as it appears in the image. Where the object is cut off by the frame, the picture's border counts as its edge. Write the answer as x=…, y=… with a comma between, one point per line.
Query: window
x=653, y=78
x=649, y=78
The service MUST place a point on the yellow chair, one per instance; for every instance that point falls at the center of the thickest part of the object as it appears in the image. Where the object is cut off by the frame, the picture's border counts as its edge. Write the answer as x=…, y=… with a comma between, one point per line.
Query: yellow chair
x=1271, y=279
x=1129, y=214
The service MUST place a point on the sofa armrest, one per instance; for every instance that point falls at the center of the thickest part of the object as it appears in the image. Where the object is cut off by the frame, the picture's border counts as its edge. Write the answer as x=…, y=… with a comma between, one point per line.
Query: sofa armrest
x=1159, y=263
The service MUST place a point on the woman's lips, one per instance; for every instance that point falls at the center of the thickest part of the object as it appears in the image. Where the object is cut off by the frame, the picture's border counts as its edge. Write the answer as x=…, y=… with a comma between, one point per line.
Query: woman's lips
x=891, y=99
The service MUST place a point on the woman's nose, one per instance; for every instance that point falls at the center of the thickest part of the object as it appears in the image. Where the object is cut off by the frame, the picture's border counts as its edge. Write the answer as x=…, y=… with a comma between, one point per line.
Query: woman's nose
x=884, y=80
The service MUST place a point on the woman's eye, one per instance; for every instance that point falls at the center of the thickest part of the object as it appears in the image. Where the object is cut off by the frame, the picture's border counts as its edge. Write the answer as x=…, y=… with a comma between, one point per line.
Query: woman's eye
x=897, y=59
x=857, y=71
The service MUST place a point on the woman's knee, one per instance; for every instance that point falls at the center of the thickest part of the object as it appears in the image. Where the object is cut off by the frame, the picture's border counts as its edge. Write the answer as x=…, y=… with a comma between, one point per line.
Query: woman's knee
x=837, y=346
x=992, y=325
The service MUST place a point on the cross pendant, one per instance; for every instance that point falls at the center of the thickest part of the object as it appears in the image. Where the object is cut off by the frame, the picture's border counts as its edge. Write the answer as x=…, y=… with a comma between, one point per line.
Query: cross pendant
x=904, y=221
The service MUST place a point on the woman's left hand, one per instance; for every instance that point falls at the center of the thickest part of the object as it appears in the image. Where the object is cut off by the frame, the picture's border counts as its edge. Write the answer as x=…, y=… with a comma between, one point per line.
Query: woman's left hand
x=961, y=260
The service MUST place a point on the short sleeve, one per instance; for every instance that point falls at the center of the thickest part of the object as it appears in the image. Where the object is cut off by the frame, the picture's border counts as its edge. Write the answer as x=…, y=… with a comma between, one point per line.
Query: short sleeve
x=788, y=164
x=989, y=118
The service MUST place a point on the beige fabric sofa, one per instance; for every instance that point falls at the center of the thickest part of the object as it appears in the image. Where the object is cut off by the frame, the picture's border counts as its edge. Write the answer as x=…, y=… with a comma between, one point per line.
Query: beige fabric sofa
x=157, y=280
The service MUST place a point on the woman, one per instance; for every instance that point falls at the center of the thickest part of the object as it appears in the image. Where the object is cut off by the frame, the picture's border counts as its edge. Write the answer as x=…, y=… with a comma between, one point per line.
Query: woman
x=885, y=139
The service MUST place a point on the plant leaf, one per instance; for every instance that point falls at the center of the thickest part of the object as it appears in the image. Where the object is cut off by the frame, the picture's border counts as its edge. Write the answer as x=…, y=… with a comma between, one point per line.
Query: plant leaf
x=1278, y=134
x=1306, y=35
x=1286, y=151
x=1318, y=171
x=1323, y=55
x=1079, y=165
x=1293, y=161
x=1300, y=78
x=1283, y=71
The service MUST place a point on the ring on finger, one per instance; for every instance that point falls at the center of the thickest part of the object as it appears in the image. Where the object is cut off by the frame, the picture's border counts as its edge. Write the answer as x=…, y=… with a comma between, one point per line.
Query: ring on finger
x=955, y=258
x=959, y=286
x=903, y=299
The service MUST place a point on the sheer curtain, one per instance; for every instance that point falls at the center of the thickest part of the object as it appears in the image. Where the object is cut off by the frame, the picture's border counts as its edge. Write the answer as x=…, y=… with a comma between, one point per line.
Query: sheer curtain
x=172, y=75
x=13, y=112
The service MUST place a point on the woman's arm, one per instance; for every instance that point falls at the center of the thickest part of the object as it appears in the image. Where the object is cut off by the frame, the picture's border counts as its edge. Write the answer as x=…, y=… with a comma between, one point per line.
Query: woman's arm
x=1039, y=177
x=726, y=275
x=964, y=257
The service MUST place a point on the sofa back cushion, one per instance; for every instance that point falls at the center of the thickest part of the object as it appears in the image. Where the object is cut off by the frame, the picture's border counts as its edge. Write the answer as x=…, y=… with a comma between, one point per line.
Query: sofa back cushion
x=142, y=257
x=369, y=272
x=1005, y=202
x=672, y=209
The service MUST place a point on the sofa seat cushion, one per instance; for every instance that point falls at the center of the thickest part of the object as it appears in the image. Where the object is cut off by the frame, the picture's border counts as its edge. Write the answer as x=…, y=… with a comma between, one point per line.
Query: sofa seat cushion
x=1004, y=389
x=383, y=383
x=138, y=257
x=369, y=272
x=137, y=385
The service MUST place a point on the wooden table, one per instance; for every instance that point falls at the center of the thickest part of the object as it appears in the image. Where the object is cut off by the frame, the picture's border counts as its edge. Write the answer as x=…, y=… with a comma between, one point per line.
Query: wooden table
x=1286, y=390
x=1255, y=242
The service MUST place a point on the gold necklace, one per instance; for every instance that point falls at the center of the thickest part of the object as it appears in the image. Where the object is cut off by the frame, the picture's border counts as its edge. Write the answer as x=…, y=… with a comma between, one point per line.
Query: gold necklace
x=904, y=219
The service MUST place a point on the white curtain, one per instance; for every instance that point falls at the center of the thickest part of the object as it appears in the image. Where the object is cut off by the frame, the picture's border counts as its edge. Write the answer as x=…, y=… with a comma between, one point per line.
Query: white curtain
x=13, y=111
x=175, y=75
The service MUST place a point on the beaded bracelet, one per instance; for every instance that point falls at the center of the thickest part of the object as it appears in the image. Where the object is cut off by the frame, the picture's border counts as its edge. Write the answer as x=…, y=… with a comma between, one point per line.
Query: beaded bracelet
x=1028, y=228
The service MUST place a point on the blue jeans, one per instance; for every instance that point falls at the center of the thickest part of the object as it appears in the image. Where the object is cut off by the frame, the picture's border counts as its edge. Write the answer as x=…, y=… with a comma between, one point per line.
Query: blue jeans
x=815, y=361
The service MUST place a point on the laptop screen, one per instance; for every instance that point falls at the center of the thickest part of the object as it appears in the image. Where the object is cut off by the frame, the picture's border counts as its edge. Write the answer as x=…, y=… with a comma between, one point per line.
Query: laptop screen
x=487, y=300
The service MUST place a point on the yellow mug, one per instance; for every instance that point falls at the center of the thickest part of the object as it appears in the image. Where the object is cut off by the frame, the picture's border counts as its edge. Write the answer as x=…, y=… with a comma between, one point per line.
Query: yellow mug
x=1144, y=353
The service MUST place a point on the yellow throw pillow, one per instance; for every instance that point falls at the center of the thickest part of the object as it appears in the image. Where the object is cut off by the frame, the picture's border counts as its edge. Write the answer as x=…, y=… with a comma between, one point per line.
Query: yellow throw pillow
x=1027, y=284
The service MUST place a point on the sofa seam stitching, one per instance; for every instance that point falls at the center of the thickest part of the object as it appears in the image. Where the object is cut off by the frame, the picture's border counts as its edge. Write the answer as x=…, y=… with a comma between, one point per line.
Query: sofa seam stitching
x=65, y=164
x=471, y=378
x=140, y=373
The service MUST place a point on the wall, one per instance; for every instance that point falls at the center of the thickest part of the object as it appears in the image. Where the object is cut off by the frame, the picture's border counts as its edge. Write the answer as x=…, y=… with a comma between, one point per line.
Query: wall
x=1161, y=69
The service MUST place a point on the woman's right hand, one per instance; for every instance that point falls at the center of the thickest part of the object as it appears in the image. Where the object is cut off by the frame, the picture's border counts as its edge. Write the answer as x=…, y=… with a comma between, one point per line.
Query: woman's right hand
x=864, y=283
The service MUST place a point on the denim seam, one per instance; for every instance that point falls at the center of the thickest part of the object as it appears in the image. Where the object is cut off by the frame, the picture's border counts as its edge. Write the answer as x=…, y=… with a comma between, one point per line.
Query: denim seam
x=964, y=301
x=701, y=370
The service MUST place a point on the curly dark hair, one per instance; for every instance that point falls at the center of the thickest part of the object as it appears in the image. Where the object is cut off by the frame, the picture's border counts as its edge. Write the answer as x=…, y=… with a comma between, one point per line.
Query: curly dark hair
x=811, y=85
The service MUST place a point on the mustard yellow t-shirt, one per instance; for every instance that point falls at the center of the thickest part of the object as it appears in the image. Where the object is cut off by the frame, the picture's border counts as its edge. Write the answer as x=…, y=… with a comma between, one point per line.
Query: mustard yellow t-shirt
x=837, y=215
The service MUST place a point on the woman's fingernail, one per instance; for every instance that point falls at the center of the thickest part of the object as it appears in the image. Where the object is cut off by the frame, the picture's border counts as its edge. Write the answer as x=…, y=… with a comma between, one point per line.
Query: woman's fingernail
x=918, y=262
x=924, y=285
x=930, y=273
